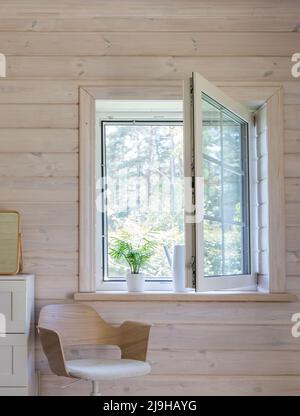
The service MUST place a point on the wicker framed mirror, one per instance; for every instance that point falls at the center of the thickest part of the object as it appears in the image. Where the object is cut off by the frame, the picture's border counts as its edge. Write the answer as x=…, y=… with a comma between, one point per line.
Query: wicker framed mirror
x=11, y=260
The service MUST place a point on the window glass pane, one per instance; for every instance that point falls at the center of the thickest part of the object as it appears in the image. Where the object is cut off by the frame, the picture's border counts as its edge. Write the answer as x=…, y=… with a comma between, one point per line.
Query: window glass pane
x=231, y=138
x=226, y=200
x=232, y=198
x=213, y=264
x=212, y=189
x=144, y=177
x=211, y=131
x=233, y=261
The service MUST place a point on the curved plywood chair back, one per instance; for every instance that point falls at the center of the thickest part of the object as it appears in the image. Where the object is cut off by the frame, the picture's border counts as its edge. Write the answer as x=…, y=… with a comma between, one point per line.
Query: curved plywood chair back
x=78, y=325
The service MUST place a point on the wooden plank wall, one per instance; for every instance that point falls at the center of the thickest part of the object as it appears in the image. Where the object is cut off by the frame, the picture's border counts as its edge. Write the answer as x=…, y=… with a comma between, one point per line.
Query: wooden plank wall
x=54, y=46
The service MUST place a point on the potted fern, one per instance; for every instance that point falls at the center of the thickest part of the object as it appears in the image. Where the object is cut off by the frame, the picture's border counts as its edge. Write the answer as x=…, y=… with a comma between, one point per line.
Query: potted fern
x=136, y=254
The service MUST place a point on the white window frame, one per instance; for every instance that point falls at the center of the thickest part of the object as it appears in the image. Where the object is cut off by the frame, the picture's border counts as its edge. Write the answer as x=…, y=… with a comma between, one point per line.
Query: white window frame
x=271, y=95
x=113, y=111
x=197, y=86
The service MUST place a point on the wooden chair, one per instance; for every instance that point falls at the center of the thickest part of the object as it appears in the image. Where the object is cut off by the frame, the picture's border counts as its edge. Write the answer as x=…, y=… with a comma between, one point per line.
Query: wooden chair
x=62, y=326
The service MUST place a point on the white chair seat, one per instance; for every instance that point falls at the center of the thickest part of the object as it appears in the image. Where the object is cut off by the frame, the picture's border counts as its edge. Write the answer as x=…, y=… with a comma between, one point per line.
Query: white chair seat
x=93, y=369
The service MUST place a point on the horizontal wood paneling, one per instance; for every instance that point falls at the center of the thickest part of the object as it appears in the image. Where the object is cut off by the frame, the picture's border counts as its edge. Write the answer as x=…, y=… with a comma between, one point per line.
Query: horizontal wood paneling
x=141, y=8
x=292, y=117
x=21, y=140
x=292, y=141
x=38, y=116
x=198, y=362
x=196, y=312
x=45, y=214
x=38, y=164
x=149, y=44
x=292, y=92
x=293, y=263
x=191, y=337
x=54, y=238
x=292, y=189
x=245, y=313
x=44, y=92
x=56, y=263
x=292, y=165
x=293, y=238
x=185, y=386
x=56, y=286
x=152, y=24
x=139, y=68
x=293, y=214
x=195, y=348
x=293, y=283
x=37, y=189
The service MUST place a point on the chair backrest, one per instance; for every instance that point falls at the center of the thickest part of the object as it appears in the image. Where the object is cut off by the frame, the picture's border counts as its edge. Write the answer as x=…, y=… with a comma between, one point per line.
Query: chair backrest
x=77, y=324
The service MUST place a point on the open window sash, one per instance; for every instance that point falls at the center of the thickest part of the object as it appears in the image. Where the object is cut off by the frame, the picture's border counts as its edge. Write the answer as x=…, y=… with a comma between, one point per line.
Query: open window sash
x=198, y=92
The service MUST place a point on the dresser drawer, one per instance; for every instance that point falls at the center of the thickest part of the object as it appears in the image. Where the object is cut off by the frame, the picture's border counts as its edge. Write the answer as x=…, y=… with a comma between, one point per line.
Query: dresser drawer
x=13, y=391
x=13, y=360
x=13, y=306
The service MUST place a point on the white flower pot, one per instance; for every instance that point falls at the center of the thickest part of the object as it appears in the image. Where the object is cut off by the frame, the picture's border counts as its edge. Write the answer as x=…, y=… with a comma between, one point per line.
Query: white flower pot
x=135, y=282
x=178, y=267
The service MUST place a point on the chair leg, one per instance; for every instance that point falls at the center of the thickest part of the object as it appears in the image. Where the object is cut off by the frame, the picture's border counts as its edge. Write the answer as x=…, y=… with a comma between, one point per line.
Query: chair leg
x=95, y=391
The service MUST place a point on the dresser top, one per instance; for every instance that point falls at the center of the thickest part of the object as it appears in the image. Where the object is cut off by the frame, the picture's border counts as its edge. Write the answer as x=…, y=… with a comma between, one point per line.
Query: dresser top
x=19, y=276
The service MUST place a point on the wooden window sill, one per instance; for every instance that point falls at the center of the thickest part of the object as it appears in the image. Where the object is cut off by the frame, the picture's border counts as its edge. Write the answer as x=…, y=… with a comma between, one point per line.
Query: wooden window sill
x=185, y=296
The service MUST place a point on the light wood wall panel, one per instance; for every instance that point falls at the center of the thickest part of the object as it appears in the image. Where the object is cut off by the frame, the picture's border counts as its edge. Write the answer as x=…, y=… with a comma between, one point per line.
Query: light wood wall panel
x=292, y=141
x=292, y=117
x=292, y=165
x=292, y=238
x=46, y=92
x=291, y=93
x=45, y=214
x=149, y=44
x=138, y=68
x=40, y=116
x=50, y=286
x=49, y=262
x=167, y=312
x=293, y=283
x=293, y=263
x=19, y=140
x=201, y=362
x=142, y=8
x=292, y=189
x=151, y=24
x=181, y=386
x=55, y=47
x=37, y=189
x=52, y=237
x=196, y=362
x=38, y=164
x=293, y=214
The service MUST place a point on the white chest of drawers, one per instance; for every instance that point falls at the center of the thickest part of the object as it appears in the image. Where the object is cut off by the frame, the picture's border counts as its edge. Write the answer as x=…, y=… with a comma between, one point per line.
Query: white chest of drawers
x=17, y=375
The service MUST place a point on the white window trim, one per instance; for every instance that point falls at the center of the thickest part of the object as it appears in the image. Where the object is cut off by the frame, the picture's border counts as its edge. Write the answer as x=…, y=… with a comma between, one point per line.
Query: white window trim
x=87, y=142
x=160, y=90
x=276, y=228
